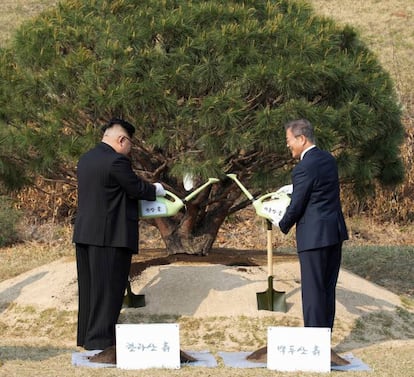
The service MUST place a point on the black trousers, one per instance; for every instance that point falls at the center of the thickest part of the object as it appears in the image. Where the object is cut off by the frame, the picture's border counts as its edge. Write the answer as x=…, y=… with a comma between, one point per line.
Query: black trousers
x=102, y=280
x=319, y=275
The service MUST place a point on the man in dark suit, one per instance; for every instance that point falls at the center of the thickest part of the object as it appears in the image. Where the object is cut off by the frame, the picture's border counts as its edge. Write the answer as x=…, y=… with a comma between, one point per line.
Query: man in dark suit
x=106, y=232
x=315, y=208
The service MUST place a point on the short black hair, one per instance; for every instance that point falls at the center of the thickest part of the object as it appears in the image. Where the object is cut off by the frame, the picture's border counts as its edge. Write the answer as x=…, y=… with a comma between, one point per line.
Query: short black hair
x=128, y=127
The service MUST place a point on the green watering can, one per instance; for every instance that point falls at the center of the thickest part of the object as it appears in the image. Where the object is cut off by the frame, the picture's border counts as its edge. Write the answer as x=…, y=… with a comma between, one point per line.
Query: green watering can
x=271, y=206
x=170, y=204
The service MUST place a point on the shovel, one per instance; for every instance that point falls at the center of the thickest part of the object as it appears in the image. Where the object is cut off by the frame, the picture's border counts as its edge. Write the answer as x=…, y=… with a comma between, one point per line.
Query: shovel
x=270, y=299
x=132, y=300
x=170, y=204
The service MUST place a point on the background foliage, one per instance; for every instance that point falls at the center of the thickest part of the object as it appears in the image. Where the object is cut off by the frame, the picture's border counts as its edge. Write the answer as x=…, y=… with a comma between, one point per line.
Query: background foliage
x=9, y=218
x=208, y=84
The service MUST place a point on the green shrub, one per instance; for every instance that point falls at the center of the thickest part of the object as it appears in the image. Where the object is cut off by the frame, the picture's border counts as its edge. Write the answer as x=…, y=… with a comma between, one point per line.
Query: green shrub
x=9, y=219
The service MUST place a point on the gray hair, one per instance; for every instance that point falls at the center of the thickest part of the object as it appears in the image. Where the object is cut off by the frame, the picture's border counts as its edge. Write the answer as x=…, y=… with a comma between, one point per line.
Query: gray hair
x=301, y=127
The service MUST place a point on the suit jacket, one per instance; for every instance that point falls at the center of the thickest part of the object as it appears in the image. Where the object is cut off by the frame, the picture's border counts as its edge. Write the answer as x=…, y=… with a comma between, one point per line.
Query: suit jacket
x=315, y=205
x=108, y=194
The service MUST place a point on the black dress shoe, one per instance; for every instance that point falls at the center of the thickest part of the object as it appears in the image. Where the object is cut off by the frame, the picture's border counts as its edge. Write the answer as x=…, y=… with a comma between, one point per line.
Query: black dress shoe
x=186, y=358
x=258, y=356
x=107, y=356
x=337, y=360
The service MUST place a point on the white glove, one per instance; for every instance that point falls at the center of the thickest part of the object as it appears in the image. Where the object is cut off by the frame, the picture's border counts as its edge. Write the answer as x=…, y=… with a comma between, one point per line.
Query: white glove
x=159, y=190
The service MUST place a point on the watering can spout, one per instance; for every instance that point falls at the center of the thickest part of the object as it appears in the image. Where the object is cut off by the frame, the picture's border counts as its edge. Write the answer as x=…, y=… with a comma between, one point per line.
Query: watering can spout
x=245, y=191
x=201, y=188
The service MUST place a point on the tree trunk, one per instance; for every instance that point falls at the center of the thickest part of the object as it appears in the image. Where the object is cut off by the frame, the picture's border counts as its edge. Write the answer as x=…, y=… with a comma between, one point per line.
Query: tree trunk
x=191, y=232
x=199, y=245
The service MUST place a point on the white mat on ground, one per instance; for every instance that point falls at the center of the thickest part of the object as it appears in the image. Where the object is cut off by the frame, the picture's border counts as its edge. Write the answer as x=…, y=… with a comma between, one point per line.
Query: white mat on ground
x=204, y=359
x=80, y=359
x=355, y=364
x=238, y=360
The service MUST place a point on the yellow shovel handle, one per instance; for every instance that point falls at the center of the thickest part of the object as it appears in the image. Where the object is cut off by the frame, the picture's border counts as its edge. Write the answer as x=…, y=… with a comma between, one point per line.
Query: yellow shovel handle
x=269, y=249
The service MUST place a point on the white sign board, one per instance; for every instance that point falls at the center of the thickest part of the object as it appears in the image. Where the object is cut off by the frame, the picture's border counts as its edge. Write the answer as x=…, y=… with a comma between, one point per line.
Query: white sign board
x=275, y=209
x=152, y=208
x=143, y=346
x=306, y=349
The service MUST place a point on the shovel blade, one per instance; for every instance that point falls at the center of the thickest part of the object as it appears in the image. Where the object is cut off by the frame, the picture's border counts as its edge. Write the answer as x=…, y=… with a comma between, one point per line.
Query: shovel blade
x=134, y=301
x=270, y=299
x=273, y=301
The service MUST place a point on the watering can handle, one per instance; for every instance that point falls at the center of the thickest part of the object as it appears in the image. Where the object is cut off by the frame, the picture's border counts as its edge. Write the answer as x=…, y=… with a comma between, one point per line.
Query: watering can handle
x=272, y=195
x=235, y=179
x=172, y=195
x=202, y=187
x=265, y=196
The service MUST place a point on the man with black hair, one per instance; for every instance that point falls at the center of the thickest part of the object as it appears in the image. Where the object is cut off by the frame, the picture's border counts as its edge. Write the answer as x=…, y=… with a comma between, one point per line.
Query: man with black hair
x=106, y=232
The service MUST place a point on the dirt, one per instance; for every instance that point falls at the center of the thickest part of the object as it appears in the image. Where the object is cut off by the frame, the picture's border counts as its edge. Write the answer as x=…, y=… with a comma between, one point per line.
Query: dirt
x=213, y=297
x=223, y=256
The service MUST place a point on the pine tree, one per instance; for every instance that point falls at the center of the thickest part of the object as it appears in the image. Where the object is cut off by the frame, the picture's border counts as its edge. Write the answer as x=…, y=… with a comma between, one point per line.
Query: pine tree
x=209, y=85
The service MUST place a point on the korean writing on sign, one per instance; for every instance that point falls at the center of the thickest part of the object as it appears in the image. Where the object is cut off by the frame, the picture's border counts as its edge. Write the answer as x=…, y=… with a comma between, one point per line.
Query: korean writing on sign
x=299, y=348
x=152, y=208
x=142, y=346
x=314, y=350
x=274, y=210
x=147, y=347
